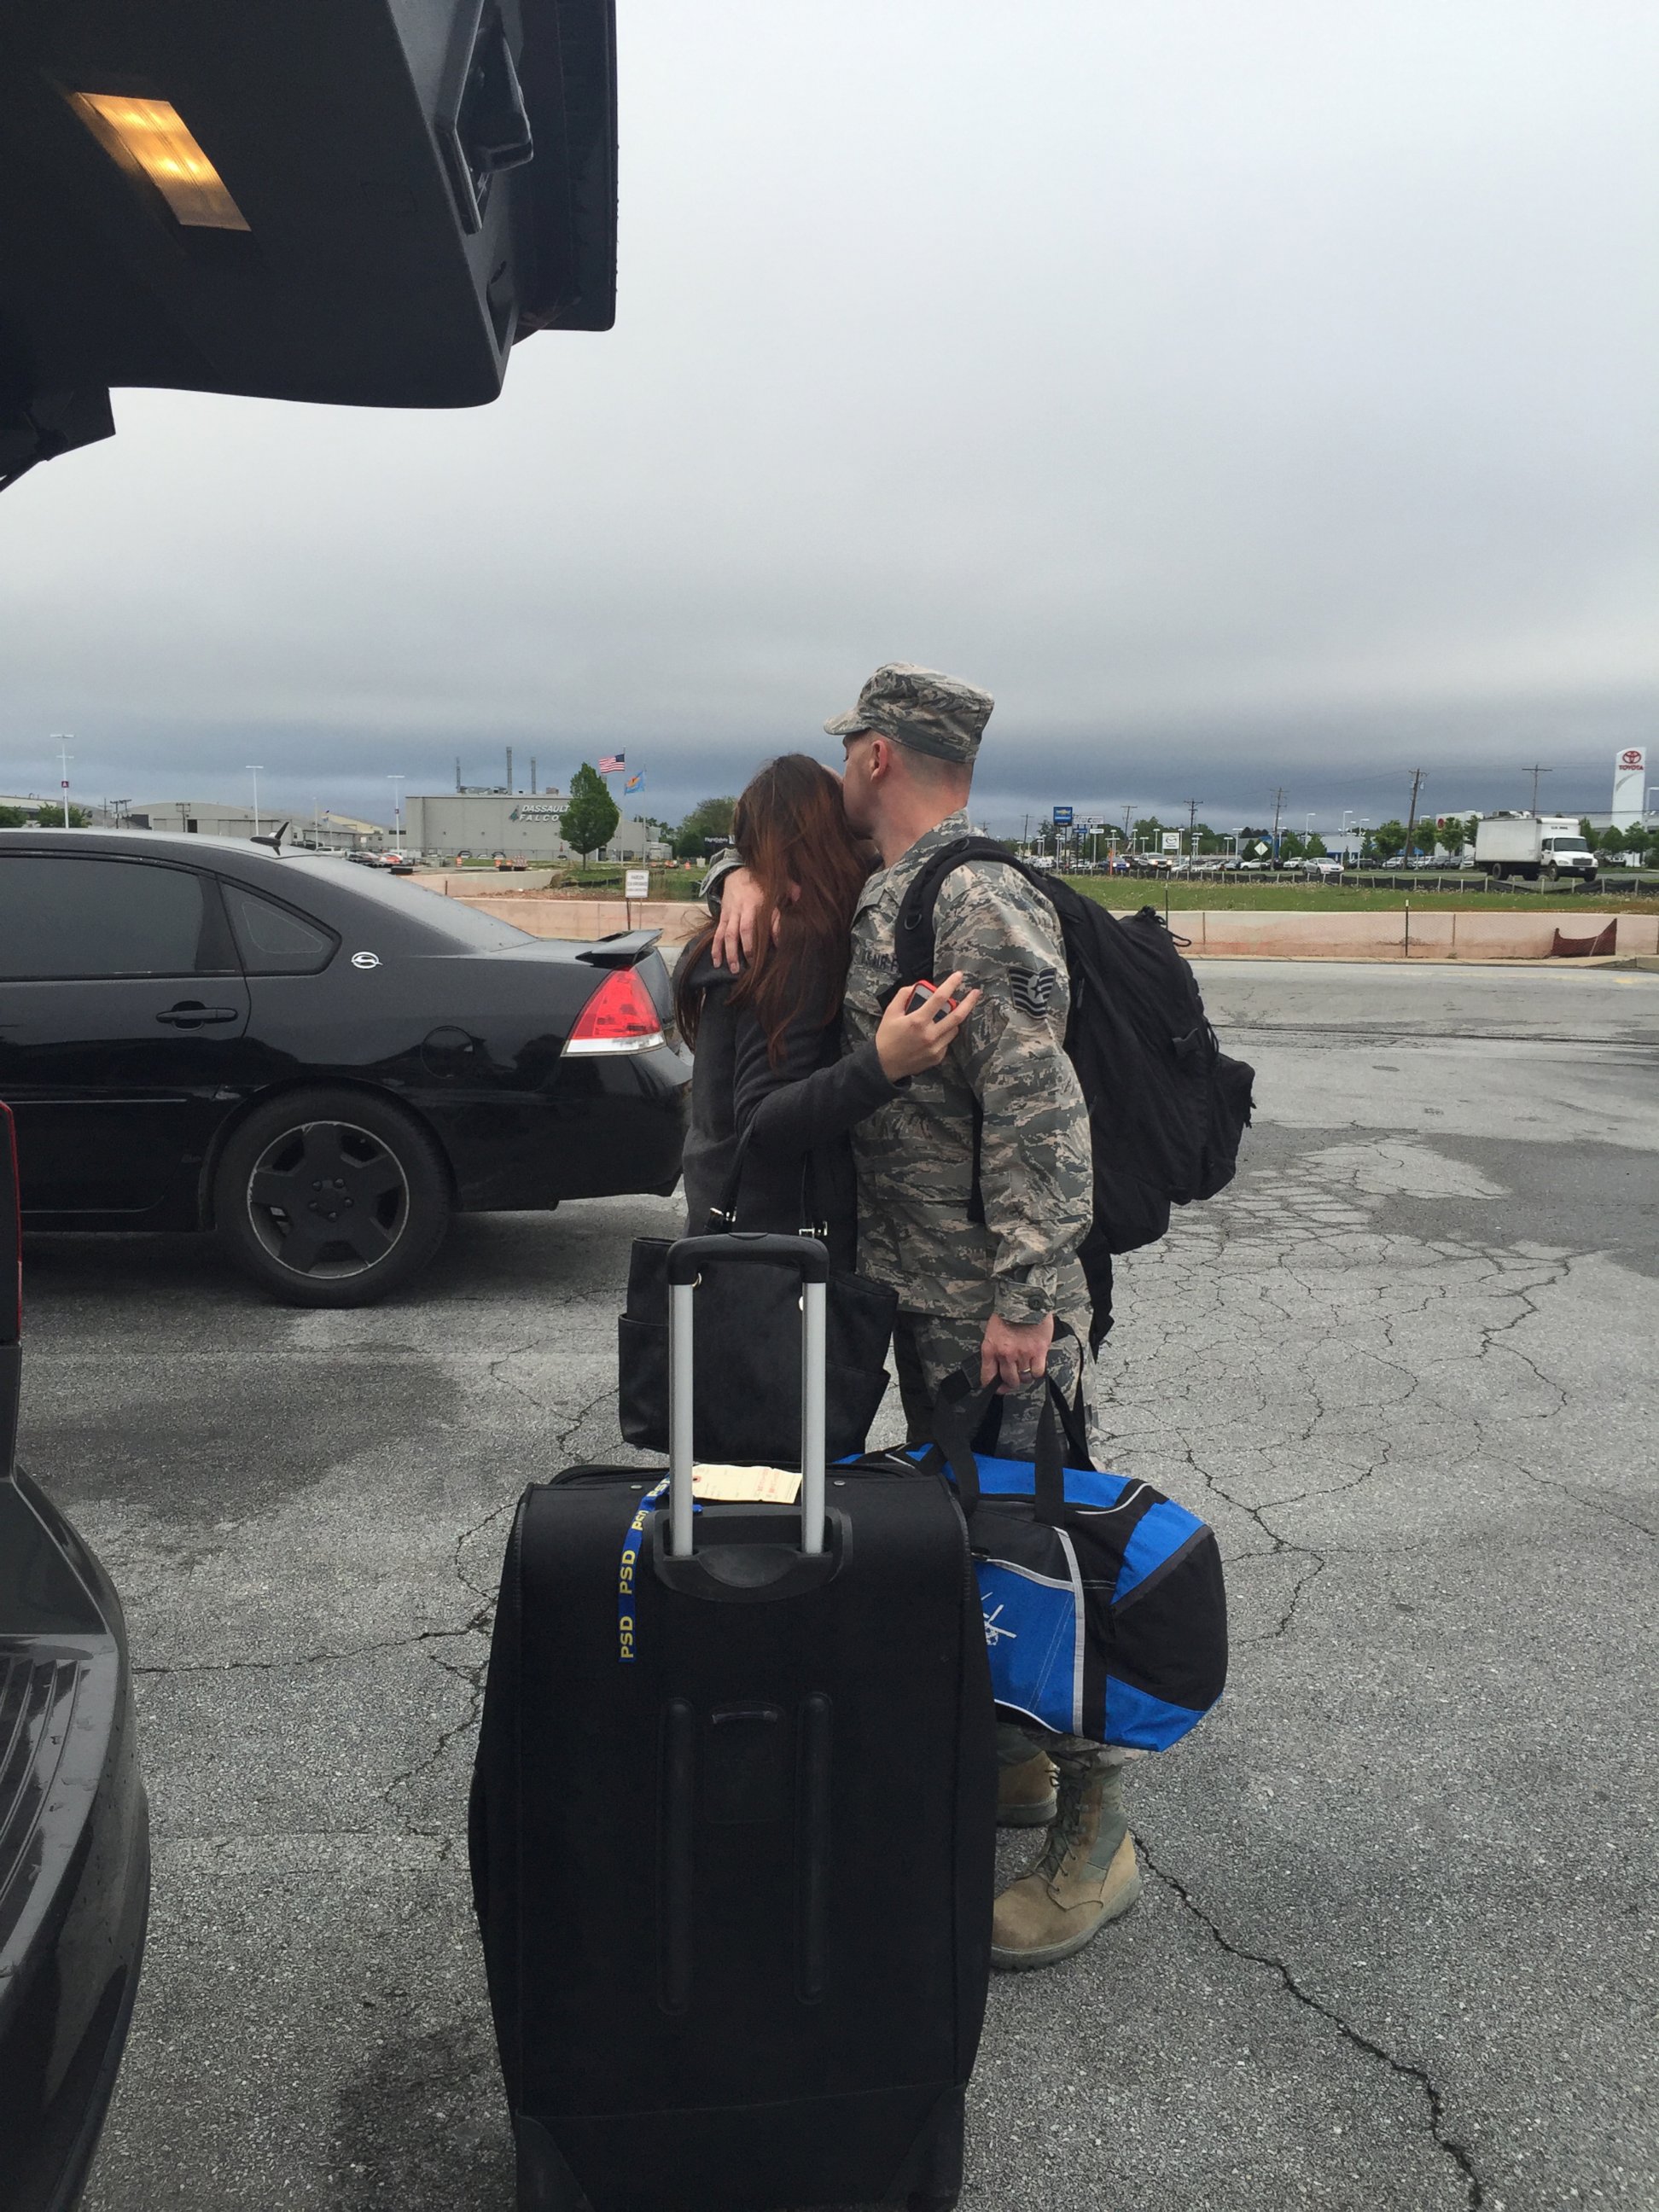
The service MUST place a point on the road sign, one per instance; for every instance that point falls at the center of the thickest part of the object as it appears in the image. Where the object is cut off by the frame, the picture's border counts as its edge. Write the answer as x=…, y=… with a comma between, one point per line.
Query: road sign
x=636, y=883
x=1063, y=817
x=1263, y=850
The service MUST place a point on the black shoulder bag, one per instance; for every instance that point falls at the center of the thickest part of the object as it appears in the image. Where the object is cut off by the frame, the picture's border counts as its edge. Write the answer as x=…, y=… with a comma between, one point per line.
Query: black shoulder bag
x=747, y=1348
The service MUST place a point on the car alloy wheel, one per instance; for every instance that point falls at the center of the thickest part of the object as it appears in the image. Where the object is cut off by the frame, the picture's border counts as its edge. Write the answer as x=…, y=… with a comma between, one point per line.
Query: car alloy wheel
x=328, y=1200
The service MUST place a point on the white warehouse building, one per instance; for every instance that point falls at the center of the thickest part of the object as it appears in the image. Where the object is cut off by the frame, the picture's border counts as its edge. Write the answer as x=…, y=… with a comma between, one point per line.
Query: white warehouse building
x=442, y=825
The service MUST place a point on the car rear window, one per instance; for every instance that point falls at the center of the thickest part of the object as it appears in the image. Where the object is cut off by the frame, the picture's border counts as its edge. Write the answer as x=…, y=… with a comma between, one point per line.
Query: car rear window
x=451, y=918
x=274, y=940
x=63, y=915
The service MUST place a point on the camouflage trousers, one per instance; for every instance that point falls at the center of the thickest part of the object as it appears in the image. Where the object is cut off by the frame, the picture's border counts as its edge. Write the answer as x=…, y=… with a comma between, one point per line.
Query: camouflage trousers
x=927, y=1349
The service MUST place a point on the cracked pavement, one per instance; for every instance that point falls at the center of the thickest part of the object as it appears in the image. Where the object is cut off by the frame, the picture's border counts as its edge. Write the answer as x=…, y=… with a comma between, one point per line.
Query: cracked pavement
x=1397, y=1948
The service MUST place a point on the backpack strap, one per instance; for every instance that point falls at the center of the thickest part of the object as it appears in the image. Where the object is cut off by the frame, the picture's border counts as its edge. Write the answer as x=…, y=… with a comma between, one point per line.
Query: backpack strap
x=912, y=932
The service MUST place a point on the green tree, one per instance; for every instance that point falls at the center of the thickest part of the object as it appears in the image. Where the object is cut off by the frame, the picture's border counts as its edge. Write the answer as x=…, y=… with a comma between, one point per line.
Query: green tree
x=709, y=817
x=592, y=815
x=1315, y=849
x=1387, y=839
x=1614, y=841
x=52, y=817
x=1152, y=830
x=1291, y=847
x=1585, y=830
x=13, y=817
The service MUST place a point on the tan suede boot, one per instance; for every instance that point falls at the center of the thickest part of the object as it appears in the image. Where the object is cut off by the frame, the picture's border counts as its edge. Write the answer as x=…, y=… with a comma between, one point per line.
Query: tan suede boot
x=1087, y=1875
x=1025, y=1790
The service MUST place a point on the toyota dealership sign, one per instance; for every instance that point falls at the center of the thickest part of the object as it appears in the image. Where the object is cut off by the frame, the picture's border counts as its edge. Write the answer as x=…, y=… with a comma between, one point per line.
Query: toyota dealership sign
x=1630, y=777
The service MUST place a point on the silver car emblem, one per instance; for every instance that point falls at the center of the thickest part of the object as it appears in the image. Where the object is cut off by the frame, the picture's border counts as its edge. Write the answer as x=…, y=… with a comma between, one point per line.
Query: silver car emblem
x=365, y=959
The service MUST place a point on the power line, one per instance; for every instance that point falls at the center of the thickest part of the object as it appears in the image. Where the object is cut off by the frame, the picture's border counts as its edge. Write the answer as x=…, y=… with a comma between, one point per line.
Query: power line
x=1534, y=772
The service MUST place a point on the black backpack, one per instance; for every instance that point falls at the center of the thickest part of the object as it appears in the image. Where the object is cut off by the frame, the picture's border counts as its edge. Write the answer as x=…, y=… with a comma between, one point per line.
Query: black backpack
x=1167, y=1107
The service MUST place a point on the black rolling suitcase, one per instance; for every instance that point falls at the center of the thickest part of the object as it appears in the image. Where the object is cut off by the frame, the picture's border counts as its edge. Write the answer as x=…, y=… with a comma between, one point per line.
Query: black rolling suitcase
x=732, y=1826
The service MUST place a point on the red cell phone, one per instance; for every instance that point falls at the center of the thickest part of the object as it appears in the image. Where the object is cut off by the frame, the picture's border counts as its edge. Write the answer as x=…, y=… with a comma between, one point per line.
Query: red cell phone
x=921, y=995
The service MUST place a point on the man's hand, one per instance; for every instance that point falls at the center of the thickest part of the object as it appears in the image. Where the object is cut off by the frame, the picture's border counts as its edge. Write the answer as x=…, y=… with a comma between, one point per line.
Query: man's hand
x=734, y=932
x=1015, y=1357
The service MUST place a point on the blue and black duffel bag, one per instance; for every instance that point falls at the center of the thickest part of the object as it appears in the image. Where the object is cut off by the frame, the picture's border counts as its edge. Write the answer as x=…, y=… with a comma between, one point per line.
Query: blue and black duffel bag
x=1105, y=1614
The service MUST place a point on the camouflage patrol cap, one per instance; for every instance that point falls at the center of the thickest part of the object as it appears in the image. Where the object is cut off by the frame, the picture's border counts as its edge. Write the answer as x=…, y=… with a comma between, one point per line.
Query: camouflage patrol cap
x=922, y=709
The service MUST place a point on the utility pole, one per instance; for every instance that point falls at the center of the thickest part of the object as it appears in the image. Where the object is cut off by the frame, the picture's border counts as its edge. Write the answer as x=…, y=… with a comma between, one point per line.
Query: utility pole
x=1535, y=773
x=60, y=738
x=1192, y=806
x=1279, y=808
x=1420, y=776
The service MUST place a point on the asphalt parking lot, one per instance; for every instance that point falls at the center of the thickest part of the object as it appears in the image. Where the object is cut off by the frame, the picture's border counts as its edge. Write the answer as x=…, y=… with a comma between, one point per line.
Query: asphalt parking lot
x=1397, y=1947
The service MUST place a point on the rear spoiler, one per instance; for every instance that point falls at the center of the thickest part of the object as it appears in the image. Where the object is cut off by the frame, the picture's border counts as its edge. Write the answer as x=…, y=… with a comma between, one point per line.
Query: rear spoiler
x=625, y=948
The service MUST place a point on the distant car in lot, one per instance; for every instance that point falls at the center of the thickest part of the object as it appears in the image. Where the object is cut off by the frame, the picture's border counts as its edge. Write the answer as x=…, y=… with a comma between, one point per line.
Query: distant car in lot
x=317, y=1063
x=74, y=1825
x=1323, y=871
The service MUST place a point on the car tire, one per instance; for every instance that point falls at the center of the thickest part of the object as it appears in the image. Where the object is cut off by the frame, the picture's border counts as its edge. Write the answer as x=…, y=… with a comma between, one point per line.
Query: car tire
x=1553, y=872
x=331, y=1198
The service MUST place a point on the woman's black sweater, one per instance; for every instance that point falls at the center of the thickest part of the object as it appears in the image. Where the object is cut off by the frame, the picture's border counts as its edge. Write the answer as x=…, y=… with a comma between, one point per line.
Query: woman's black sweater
x=805, y=1105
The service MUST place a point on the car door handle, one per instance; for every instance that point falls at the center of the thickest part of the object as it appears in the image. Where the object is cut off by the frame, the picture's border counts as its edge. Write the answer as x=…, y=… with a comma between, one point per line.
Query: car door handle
x=191, y=1014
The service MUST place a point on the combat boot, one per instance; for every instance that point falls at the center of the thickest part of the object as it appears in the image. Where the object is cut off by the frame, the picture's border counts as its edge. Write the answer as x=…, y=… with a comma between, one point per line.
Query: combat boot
x=1087, y=1875
x=1025, y=1782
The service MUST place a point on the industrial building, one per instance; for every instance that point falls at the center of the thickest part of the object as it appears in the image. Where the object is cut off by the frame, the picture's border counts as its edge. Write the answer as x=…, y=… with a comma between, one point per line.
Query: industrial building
x=324, y=830
x=439, y=825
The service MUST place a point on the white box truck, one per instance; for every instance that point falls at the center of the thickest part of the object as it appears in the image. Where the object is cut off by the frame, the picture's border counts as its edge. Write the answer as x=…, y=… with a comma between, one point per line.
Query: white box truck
x=1532, y=845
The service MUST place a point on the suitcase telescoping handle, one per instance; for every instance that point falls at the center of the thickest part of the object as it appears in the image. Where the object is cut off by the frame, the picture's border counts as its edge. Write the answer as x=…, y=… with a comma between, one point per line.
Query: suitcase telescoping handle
x=811, y=1261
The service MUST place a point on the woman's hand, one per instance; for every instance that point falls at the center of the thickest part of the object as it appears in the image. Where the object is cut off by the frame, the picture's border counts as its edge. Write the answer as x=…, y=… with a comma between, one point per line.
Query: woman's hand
x=910, y=1044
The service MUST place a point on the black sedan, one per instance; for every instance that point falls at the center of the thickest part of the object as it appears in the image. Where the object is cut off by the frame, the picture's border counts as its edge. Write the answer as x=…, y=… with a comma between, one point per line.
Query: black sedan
x=318, y=1062
x=74, y=1828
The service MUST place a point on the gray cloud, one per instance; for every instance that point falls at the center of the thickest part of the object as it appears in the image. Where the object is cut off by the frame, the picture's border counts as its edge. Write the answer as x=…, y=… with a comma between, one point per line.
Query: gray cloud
x=1248, y=397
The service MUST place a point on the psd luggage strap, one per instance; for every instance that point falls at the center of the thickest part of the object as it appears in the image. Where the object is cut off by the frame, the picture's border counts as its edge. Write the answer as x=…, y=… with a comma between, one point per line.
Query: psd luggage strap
x=628, y=1579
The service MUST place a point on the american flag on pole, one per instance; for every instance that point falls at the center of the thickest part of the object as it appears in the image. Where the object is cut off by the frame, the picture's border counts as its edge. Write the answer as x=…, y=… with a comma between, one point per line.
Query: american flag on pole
x=611, y=764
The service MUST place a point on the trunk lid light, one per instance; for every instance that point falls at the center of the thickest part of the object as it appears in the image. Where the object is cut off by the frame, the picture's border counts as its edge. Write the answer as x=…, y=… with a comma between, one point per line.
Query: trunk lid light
x=153, y=138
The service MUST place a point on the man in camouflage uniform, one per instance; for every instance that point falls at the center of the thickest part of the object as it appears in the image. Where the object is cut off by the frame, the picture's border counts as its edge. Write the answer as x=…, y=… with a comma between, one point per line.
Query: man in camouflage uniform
x=990, y=1295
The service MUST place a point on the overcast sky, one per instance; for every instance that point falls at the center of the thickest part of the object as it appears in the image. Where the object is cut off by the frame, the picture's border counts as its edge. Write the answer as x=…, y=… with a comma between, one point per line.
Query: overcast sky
x=1249, y=396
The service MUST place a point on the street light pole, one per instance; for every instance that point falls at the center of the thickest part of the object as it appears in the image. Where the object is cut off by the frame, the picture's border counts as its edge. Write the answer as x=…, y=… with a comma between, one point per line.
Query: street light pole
x=60, y=738
x=254, y=772
x=396, y=783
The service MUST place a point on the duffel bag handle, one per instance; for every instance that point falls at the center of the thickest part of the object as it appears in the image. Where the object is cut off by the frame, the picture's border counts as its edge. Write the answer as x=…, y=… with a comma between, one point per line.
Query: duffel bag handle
x=1062, y=1440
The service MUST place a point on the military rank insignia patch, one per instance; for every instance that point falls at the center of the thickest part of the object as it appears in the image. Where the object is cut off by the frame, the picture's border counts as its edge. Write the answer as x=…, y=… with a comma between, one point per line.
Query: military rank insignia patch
x=1032, y=988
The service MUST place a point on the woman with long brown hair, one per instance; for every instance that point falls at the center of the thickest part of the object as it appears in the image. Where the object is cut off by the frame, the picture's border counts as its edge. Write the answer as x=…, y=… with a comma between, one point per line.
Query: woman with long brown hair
x=768, y=1062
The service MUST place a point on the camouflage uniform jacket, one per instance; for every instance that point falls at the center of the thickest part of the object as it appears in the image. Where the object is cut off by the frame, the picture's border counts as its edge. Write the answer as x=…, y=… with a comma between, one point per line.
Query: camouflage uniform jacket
x=915, y=1154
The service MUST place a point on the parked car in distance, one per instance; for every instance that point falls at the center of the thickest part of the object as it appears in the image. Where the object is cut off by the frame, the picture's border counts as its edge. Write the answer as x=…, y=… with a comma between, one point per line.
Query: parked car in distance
x=1323, y=871
x=74, y=1824
x=317, y=1063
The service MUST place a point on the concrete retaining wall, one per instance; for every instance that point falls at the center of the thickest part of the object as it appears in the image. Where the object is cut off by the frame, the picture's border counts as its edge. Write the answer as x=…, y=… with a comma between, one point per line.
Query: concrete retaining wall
x=1399, y=936
x=679, y=920
x=1217, y=934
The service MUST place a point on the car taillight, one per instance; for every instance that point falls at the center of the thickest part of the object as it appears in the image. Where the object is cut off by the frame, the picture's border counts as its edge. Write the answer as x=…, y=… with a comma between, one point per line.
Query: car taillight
x=618, y=1018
